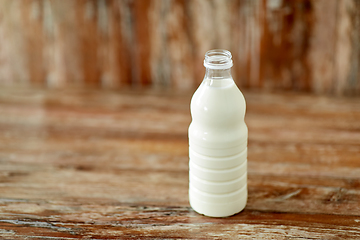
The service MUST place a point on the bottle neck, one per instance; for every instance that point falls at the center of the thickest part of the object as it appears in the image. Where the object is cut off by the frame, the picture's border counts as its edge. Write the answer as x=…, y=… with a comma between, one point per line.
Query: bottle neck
x=218, y=78
x=218, y=74
x=218, y=65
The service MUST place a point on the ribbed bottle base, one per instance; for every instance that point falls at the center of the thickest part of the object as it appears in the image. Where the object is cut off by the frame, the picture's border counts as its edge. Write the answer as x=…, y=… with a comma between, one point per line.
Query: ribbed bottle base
x=223, y=209
x=218, y=185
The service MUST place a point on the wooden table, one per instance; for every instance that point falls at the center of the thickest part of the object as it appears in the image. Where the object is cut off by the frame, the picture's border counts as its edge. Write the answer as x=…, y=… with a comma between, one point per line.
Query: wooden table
x=100, y=164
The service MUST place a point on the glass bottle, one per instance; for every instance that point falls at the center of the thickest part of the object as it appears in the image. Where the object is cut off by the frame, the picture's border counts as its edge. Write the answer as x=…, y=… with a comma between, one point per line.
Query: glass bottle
x=218, y=141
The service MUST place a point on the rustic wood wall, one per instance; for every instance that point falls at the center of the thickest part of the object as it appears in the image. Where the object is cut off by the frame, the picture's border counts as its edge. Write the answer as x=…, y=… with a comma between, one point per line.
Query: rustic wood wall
x=310, y=45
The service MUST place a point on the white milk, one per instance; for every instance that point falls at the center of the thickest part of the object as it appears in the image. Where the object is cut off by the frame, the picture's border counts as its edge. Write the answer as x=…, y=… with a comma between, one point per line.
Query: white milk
x=218, y=145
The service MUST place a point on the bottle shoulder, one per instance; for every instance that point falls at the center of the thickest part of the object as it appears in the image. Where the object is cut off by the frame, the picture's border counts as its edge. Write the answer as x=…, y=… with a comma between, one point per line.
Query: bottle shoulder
x=218, y=104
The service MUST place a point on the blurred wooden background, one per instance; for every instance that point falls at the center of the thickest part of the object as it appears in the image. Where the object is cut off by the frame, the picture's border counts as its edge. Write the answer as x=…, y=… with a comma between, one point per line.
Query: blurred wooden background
x=306, y=45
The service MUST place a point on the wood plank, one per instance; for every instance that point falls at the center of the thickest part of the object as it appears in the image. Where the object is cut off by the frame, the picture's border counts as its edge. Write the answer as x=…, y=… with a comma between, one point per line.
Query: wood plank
x=309, y=45
x=107, y=219
x=90, y=164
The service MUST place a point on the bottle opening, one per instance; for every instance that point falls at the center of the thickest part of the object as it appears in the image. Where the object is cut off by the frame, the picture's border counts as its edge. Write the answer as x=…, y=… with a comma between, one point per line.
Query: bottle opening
x=218, y=59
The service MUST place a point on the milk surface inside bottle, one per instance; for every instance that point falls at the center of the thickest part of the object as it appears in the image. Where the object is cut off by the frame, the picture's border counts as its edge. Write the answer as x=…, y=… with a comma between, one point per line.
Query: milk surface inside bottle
x=218, y=141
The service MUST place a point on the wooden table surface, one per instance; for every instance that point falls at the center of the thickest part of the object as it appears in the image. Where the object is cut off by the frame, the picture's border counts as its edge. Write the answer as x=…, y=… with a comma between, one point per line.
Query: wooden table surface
x=114, y=165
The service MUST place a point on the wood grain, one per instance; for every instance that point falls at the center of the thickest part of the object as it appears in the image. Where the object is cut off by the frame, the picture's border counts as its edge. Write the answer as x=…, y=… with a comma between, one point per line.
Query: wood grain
x=109, y=165
x=300, y=45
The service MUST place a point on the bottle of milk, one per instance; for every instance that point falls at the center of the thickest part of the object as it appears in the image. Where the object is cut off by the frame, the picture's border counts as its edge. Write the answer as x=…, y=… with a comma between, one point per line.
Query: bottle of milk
x=218, y=141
